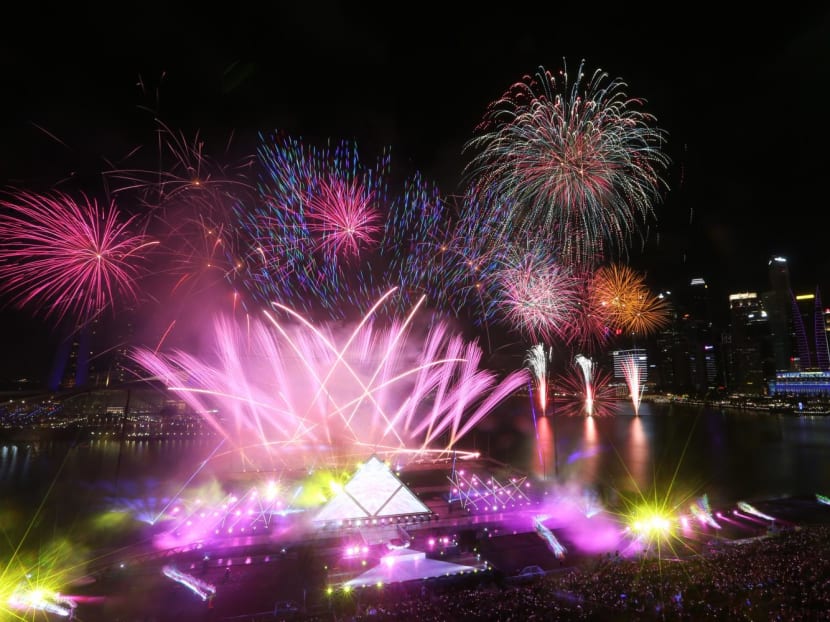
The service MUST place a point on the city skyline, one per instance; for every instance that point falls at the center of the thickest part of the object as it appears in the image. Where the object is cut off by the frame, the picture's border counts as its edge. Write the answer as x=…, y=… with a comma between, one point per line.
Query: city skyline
x=744, y=180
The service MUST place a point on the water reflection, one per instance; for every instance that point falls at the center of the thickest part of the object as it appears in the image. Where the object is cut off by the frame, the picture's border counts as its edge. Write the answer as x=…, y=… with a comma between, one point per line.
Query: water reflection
x=727, y=454
x=637, y=455
x=546, y=465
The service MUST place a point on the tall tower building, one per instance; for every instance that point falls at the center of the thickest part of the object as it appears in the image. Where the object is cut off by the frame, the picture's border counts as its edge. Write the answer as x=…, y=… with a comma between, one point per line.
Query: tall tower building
x=750, y=359
x=686, y=353
x=778, y=305
x=699, y=322
x=810, y=334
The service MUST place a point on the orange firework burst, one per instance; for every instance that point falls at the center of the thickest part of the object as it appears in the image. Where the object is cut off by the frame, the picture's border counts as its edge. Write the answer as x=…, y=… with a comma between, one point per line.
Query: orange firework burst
x=626, y=303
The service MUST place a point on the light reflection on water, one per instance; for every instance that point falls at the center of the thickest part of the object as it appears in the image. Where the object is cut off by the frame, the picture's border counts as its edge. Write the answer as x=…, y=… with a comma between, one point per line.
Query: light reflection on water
x=726, y=454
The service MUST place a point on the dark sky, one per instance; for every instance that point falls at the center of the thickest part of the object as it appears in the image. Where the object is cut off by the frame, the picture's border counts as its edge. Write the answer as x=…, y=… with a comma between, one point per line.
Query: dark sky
x=743, y=98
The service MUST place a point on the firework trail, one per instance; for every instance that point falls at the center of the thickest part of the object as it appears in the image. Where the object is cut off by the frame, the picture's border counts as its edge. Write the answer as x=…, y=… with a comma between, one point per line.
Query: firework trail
x=536, y=360
x=185, y=178
x=470, y=256
x=66, y=257
x=587, y=366
x=328, y=233
x=702, y=511
x=631, y=370
x=295, y=386
x=751, y=509
x=189, y=200
x=546, y=534
x=202, y=589
x=575, y=160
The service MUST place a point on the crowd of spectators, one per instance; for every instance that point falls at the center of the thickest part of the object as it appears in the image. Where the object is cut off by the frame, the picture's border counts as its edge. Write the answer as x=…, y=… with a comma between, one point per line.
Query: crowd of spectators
x=785, y=576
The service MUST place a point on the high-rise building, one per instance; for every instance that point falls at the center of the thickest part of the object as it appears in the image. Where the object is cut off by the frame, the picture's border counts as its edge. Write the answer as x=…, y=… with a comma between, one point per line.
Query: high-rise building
x=670, y=373
x=699, y=322
x=811, y=337
x=778, y=305
x=686, y=351
x=750, y=359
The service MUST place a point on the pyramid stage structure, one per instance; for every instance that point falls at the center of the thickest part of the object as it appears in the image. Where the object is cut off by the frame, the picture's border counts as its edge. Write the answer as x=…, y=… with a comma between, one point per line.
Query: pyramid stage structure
x=374, y=498
x=378, y=506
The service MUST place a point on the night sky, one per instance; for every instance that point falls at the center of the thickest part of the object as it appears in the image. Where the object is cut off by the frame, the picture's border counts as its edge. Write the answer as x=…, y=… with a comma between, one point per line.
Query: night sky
x=743, y=99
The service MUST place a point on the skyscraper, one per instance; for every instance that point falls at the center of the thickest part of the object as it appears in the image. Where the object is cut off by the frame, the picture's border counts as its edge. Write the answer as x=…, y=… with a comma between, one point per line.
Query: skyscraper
x=811, y=336
x=750, y=359
x=777, y=303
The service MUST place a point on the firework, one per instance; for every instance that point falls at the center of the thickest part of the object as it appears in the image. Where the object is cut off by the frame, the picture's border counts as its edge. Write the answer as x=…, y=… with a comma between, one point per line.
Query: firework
x=344, y=216
x=586, y=365
x=185, y=178
x=202, y=589
x=576, y=160
x=587, y=390
x=631, y=370
x=67, y=257
x=620, y=296
x=188, y=201
x=535, y=294
x=751, y=509
x=39, y=599
x=537, y=361
x=701, y=510
x=329, y=232
x=288, y=385
x=590, y=329
x=469, y=256
x=546, y=534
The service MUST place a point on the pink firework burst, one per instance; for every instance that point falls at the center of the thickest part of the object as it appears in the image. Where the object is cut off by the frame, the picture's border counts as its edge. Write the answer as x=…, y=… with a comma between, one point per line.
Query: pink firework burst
x=538, y=296
x=329, y=392
x=67, y=257
x=344, y=215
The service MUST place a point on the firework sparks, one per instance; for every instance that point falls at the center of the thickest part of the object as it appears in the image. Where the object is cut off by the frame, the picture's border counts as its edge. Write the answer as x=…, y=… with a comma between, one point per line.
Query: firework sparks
x=546, y=534
x=588, y=390
x=535, y=294
x=587, y=366
x=296, y=386
x=345, y=217
x=624, y=301
x=331, y=233
x=67, y=257
x=186, y=179
x=702, y=511
x=202, y=589
x=578, y=160
x=751, y=509
x=537, y=361
x=633, y=378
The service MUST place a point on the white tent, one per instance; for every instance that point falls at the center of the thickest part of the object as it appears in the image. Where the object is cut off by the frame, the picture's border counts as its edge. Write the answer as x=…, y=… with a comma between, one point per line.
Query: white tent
x=406, y=565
